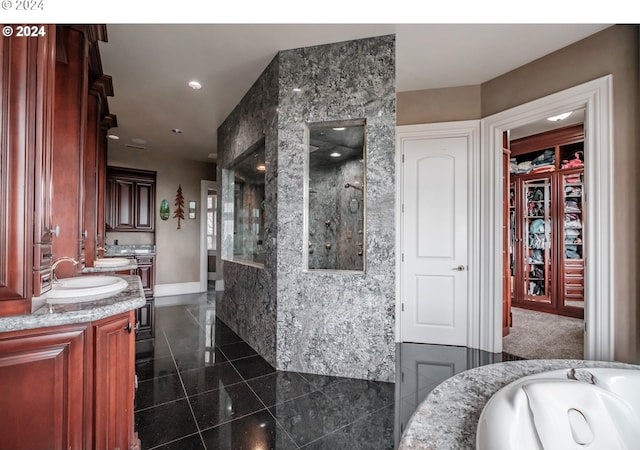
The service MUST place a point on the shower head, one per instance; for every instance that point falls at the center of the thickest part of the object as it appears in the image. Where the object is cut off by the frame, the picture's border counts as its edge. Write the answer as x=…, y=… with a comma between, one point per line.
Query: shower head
x=347, y=186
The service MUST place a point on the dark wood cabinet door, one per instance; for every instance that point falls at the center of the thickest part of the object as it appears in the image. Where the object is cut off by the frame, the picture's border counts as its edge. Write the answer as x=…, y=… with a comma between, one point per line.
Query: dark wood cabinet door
x=144, y=206
x=146, y=273
x=144, y=321
x=43, y=388
x=114, y=382
x=124, y=206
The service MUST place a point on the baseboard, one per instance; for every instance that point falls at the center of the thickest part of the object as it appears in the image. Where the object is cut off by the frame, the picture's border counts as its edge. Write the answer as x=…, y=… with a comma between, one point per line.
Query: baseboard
x=165, y=290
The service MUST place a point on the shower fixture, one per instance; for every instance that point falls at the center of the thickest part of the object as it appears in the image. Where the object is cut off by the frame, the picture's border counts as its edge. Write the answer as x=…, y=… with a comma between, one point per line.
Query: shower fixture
x=353, y=186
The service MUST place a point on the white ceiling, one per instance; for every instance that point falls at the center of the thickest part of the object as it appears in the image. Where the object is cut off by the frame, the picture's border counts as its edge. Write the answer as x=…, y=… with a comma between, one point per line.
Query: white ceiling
x=152, y=63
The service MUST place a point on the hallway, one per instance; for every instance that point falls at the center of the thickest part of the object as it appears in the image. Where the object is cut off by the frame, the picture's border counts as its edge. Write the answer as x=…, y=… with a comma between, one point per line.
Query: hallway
x=201, y=386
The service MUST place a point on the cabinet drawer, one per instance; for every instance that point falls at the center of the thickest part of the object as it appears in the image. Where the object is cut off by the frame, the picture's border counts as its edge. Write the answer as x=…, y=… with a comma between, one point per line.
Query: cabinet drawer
x=577, y=270
x=41, y=282
x=42, y=256
x=144, y=260
x=574, y=281
x=574, y=291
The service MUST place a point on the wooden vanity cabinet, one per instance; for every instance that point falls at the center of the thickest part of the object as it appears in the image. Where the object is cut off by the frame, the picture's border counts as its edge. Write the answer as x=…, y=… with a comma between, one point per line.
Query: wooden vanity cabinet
x=45, y=388
x=69, y=386
x=145, y=315
x=114, y=382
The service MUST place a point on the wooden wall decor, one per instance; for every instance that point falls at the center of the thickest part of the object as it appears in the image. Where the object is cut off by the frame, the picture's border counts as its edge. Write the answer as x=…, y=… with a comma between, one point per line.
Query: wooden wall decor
x=179, y=212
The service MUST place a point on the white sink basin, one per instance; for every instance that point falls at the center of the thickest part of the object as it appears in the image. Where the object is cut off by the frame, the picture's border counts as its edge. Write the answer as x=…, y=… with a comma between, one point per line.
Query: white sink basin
x=111, y=262
x=85, y=289
x=596, y=408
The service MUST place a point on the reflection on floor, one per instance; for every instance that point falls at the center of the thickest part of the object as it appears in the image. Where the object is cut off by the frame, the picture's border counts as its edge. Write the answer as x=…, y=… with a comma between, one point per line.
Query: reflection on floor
x=201, y=386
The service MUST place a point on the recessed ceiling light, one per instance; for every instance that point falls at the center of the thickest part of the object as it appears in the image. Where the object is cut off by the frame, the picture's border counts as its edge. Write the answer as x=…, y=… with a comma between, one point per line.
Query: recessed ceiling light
x=336, y=154
x=113, y=137
x=261, y=167
x=193, y=84
x=339, y=128
x=297, y=90
x=559, y=117
x=176, y=130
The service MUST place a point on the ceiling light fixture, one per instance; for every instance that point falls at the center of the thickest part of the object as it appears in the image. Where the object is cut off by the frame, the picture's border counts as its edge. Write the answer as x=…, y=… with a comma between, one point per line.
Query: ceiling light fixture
x=113, y=137
x=195, y=85
x=176, y=130
x=559, y=117
x=339, y=128
x=336, y=154
x=261, y=167
x=297, y=90
x=139, y=141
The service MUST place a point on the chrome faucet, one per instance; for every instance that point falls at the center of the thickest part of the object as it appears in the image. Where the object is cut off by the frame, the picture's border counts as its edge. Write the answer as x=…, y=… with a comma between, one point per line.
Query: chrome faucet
x=58, y=261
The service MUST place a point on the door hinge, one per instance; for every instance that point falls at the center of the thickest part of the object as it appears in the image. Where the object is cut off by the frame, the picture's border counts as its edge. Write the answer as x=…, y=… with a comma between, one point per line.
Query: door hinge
x=401, y=377
x=403, y=157
x=402, y=307
x=585, y=327
x=402, y=259
x=402, y=207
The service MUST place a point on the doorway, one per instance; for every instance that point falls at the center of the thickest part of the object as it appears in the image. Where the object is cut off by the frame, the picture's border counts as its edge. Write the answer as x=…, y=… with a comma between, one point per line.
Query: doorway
x=595, y=98
x=208, y=231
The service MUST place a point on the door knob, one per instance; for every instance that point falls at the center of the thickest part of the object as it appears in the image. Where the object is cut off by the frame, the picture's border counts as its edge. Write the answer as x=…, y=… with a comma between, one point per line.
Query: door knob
x=460, y=268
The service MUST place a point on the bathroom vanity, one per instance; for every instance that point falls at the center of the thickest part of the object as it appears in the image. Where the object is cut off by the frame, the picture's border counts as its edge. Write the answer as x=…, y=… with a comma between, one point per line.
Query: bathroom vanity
x=448, y=417
x=68, y=375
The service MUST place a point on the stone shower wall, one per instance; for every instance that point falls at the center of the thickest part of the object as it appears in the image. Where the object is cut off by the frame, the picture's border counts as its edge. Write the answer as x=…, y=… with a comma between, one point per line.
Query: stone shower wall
x=249, y=302
x=338, y=323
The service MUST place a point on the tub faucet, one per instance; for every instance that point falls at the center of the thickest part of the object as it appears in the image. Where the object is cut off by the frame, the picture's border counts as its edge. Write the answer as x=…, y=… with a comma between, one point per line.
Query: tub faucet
x=58, y=261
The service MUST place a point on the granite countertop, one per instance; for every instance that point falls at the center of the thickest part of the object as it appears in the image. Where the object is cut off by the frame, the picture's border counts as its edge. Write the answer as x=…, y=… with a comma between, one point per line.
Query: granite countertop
x=448, y=417
x=129, y=250
x=133, y=265
x=132, y=297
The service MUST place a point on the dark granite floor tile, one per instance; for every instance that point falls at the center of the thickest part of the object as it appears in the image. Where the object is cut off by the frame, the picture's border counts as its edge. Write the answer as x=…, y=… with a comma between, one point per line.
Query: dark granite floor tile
x=209, y=378
x=309, y=417
x=157, y=367
x=198, y=359
x=222, y=405
x=152, y=348
x=193, y=442
x=224, y=335
x=158, y=390
x=253, y=367
x=237, y=350
x=321, y=381
x=164, y=423
x=280, y=386
x=359, y=398
x=255, y=431
x=372, y=433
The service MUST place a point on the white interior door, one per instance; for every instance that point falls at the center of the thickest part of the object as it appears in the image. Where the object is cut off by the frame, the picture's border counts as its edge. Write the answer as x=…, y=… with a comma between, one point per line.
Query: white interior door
x=435, y=240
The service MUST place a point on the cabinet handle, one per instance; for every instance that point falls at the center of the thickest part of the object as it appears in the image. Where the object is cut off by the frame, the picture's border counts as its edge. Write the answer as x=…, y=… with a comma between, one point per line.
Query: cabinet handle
x=55, y=231
x=128, y=327
x=460, y=268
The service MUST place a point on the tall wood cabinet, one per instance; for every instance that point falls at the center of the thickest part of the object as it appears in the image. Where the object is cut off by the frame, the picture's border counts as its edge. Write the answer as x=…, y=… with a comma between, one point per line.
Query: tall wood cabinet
x=130, y=199
x=546, y=222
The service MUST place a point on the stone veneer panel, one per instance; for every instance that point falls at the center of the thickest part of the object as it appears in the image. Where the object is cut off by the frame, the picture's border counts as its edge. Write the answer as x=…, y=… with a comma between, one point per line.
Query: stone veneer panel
x=338, y=323
x=327, y=323
x=249, y=302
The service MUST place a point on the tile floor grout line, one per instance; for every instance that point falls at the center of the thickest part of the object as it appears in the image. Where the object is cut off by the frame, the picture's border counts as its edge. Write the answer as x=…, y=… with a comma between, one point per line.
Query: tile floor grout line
x=184, y=389
x=269, y=411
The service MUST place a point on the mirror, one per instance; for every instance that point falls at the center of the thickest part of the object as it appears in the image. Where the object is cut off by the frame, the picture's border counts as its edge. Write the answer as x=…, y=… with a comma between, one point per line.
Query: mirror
x=245, y=178
x=335, y=194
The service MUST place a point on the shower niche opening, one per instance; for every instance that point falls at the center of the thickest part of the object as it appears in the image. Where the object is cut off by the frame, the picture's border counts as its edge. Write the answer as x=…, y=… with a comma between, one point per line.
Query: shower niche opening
x=335, y=196
x=243, y=207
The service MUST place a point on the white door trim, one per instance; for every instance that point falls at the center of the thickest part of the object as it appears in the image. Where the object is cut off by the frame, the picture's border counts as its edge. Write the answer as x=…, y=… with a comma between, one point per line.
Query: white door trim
x=205, y=185
x=471, y=130
x=596, y=97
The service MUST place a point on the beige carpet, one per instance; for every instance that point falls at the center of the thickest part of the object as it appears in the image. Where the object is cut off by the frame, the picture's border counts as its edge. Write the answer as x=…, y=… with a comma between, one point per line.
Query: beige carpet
x=537, y=335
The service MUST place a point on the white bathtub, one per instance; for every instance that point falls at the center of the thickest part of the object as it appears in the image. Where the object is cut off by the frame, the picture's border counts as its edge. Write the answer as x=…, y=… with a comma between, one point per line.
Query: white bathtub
x=594, y=408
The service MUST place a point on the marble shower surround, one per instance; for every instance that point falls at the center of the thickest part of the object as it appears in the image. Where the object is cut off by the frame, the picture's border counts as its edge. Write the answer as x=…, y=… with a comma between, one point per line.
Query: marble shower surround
x=327, y=323
x=249, y=303
x=338, y=323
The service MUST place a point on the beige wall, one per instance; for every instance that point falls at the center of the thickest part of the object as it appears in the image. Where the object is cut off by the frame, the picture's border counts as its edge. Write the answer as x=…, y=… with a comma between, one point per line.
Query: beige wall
x=615, y=51
x=178, y=251
x=438, y=105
